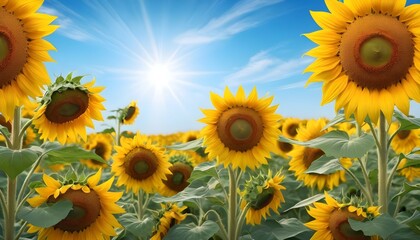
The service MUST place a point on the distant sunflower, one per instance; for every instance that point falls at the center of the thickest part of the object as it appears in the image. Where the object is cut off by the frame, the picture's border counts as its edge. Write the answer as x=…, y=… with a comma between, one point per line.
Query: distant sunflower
x=241, y=131
x=302, y=158
x=368, y=56
x=405, y=140
x=410, y=173
x=263, y=192
x=129, y=114
x=190, y=136
x=331, y=220
x=92, y=216
x=22, y=52
x=171, y=214
x=101, y=144
x=290, y=127
x=177, y=180
x=140, y=165
x=67, y=108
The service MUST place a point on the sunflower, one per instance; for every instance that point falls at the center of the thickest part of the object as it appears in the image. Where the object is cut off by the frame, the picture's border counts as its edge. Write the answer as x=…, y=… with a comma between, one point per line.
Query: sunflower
x=177, y=180
x=240, y=131
x=368, y=56
x=263, y=193
x=140, y=165
x=129, y=114
x=67, y=108
x=290, y=127
x=22, y=52
x=171, y=214
x=302, y=158
x=410, y=173
x=190, y=136
x=404, y=140
x=101, y=144
x=92, y=216
x=331, y=220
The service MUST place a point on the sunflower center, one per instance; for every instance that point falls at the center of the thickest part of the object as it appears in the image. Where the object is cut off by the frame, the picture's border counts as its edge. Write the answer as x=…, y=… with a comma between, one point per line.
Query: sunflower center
x=376, y=51
x=292, y=130
x=263, y=199
x=240, y=128
x=340, y=227
x=178, y=180
x=86, y=209
x=67, y=106
x=100, y=150
x=141, y=164
x=130, y=112
x=310, y=155
x=191, y=138
x=13, y=47
x=284, y=146
x=403, y=134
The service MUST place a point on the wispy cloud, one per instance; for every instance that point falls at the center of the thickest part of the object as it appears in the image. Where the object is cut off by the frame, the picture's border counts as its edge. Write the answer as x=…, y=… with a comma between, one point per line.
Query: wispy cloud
x=68, y=27
x=237, y=19
x=263, y=67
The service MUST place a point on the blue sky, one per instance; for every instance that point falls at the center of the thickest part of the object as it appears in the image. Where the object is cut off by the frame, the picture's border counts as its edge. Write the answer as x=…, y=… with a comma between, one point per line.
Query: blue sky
x=169, y=54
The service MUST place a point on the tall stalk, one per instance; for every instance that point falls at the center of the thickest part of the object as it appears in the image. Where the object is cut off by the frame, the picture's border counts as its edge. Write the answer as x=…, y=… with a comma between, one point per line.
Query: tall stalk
x=233, y=205
x=382, y=149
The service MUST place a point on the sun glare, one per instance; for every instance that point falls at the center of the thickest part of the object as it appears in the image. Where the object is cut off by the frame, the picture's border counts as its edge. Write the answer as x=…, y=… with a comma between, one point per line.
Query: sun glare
x=160, y=76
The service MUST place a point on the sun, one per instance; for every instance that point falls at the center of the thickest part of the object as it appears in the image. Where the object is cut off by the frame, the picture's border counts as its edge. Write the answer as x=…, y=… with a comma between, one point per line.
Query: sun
x=160, y=75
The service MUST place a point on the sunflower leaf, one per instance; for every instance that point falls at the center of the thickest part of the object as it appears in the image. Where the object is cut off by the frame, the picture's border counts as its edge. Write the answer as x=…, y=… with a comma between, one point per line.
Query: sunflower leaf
x=46, y=215
x=207, y=169
x=383, y=226
x=337, y=119
x=413, y=160
x=338, y=144
x=191, y=231
x=407, y=123
x=189, y=193
x=140, y=228
x=324, y=165
x=406, y=189
x=56, y=153
x=192, y=145
x=13, y=162
x=278, y=230
x=306, y=202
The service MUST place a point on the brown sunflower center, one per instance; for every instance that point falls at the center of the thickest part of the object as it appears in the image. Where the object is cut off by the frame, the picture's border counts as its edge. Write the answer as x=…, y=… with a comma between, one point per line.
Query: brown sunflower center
x=310, y=155
x=292, y=129
x=340, y=227
x=67, y=106
x=100, y=149
x=86, y=209
x=141, y=163
x=263, y=199
x=13, y=47
x=191, y=138
x=240, y=128
x=403, y=134
x=376, y=51
x=130, y=112
x=284, y=146
x=178, y=180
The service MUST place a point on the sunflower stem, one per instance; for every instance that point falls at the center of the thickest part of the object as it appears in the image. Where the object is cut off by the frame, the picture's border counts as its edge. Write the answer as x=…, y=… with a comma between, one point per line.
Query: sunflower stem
x=140, y=210
x=397, y=206
x=24, y=127
x=117, y=131
x=28, y=177
x=22, y=228
x=362, y=188
x=382, y=164
x=219, y=222
x=362, y=161
x=241, y=219
x=232, y=220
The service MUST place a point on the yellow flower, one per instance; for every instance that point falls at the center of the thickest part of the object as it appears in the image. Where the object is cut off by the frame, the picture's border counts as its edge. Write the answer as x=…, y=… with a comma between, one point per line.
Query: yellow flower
x=101, y=144
x=67, y=108
x=177, y=180
x=241, y=131
x=22, y=52
x=368, y=56
x=92, y=216
x=140, y=165
x=410, y=173
x=302, y=158
x=405, y=140
x=130, y=113
x=172, y=214
x=331, y=220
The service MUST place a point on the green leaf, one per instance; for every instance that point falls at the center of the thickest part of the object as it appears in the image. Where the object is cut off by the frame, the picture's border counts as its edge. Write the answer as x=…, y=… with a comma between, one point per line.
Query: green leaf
x=414, y=220
x=307, y=201
x=324, y=165
x=406, y=189
x=383, y=226
x=407, y=123
x=207, y=169
x=404, y=233
x=13, y=162
x=188, y=193
x=338, y=144
x=192, y=145
x=4, y=130
x=56, y=153
x=412, y=160
x=339, y=118
x=140, y=228
x=46, y=215
x=191, y=231
x=278, y=230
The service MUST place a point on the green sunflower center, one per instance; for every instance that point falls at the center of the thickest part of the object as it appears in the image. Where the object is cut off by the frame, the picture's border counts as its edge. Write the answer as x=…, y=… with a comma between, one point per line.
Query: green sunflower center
x=403, y=134
x=376, y=51
x=178, y=180
x=263, y=199
x=240, y=128
x=86, y=210
x=13, y=47
x=67, y=105
x=141, y=163
x=340, y=227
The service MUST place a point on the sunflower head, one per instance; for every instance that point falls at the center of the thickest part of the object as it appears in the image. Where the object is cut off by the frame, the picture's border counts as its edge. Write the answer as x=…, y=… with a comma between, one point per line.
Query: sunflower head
x=242, y=130
x=102, y=145
x=140, y=165
x=331, y=219
x=404, y=141
x=93, y=208
x=177, y=180
x=410, y=172
x=262, y=193
x=368, y=56
x=67, y=108
x=129, y=114
x=168, y=216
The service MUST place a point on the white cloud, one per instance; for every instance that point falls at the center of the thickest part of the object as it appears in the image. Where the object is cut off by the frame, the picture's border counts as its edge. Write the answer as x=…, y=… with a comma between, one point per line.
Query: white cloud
x=263, y=67
x=237, y=19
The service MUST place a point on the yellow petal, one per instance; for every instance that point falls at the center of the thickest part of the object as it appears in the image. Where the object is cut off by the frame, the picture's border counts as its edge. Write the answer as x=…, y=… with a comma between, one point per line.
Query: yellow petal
x=360, y=7
x=340, y=10
x=399, y=6
x=410, y=12
x=329, y=21
x=333, y=88
x=324, y=37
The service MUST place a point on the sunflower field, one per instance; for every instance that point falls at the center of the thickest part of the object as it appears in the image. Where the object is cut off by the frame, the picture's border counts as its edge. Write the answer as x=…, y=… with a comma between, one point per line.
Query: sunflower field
x=249, y=173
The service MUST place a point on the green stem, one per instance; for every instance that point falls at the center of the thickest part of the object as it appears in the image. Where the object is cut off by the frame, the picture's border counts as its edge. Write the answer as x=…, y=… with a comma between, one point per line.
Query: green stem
x=362, y=188
x=22, y=228
x=362, y=162
x=7, y=139
x=391, y=175
x=24, y=127
x=219, y=222
x=117, y=131
x=3, y=204
x=27, y=178
x=397, y=206
x=140, y=209
x=382, y=164
x=241, y=219
x=232, y=205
